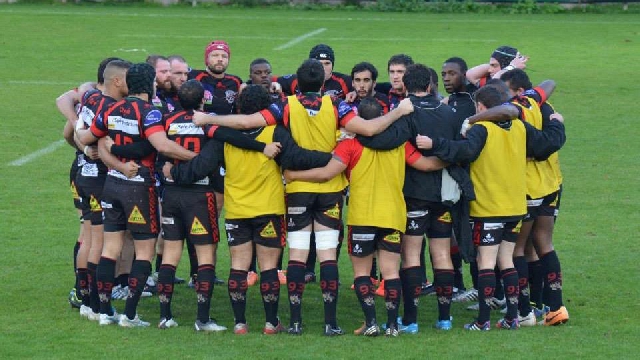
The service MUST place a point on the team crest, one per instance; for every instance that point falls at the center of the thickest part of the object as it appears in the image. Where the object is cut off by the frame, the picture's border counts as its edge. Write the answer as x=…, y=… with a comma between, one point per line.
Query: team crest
x=393, y=238
x=230, y=95
x=334, y=212
x=95, y=205
x=136, y=216
x=269, y=231
x=74, y=191
x=516, y=230
x=197, y=228
x=445, y=218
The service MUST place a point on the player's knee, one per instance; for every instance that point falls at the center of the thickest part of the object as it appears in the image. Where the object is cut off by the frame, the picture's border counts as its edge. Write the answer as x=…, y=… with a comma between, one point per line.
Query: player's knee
x=327, y=239
x=299, y=239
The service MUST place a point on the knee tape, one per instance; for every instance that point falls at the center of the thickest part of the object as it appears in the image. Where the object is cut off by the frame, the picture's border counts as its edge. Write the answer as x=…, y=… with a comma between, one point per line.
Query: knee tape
x=299, y=239
x=327, y=239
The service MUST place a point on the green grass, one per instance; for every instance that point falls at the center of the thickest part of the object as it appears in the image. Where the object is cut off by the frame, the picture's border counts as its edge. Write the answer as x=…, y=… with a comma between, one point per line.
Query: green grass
x=592, y=58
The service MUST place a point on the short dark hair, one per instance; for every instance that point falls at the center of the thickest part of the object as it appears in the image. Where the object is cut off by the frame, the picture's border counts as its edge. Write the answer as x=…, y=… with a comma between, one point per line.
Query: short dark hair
x=190, y=94
x=517, y=78
x=102, y=66
x=153, y=59
x=369, y=108
x=310, y=76
x=259, y=61
x=364, y=66
x=460, y=61
x=416, y=78
x=489, y=96
x=253, y=99
x=501, y=87
x=400, y=59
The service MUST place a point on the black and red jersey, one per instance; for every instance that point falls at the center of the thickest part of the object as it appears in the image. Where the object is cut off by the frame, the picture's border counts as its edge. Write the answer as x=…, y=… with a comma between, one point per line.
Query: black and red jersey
x=166, y=101
x=338, y=86
x=381, y=98
x=127, y=121
x=93, y=104
x=219, y=94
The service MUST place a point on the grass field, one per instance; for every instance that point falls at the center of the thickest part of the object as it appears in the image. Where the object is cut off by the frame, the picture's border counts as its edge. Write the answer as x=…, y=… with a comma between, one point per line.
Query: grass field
x=45, y=50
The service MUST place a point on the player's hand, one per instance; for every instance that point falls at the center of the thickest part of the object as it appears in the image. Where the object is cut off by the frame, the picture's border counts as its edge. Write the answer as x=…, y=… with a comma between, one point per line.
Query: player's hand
x=288, y=176
x=520, y=61
x=272, y=150
x=465, y=127
x=108, y=143
x=275, y=88
x=351, y=97
x=92, y=152
x=166, y=171
x=130, y=169
x=557, y=116
x=344, y=135
x=200, y=118
x=405, y=106
x=424, y=142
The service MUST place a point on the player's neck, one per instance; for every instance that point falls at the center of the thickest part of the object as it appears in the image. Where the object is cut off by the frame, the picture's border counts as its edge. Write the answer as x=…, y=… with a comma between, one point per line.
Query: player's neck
x=214, y=75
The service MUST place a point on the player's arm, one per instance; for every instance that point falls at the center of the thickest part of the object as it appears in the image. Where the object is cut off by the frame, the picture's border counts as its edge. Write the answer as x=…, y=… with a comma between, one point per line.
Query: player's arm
x=169, y=148
x=497, y=113
x=395, y=135
x=293, y=156
x=235, y=138
x=66, y=106
x=542, y=92
x=542, y=143
x=477, y=72
x=238, y=121
x=454, y=151
x=317, y=175
x=416, y=160
x=375, y=126
x=207, y=161
x=135, y=150
x=129, y=169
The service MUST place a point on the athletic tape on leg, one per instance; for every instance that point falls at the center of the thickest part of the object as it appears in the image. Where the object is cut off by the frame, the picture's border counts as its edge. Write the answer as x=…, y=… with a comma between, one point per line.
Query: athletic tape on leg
x=327, y=239
x=299, y=240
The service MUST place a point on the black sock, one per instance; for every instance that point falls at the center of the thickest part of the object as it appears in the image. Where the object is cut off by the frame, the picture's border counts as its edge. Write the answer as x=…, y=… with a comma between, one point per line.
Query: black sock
x=486, y=289
x=536, y=283
x=552, y=280
x=122, y=280
x=443, y=281
x=295, y=287
x=522, y=268
x=473, y=270
x=456, y=259
x=238, y=286
x=270, y=291
x=94, y=299
x=140, y=271
x=510, y=279
x=82, y=291
x=411, y=284
x=166, y=278
x=392, y=291
x=366, y=296
x=329, y=286
x=105, y=276
x=193, y=259
x=158, y=262
x=204, y=288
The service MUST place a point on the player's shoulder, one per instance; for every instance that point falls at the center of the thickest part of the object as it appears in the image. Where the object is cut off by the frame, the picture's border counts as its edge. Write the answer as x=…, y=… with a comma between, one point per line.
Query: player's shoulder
x=338, y=75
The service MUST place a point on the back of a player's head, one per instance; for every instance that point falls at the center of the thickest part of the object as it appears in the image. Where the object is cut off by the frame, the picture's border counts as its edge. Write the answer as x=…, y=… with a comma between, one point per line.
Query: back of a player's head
x=364, y=66
x=322, y=52
x=433, y=78
x=501, y=87
x=191, y=94
x=310, y=76
x=416, y=78
x=102, y=66
x=153, y=59
x=400, y=59
x=369, y=108
x=253, y=99
x=460, y=61
x=516, y=79
x=140, y=79
x=504, y=55
x=115, y=68
x=489, y=96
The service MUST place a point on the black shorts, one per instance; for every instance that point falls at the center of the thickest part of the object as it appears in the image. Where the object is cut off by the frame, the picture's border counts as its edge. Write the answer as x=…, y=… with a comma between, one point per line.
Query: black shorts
x=189, y=214
x=428, y=217
x=73, y=172
x=267, y=230
x=545, y=206
x=365, y=240
x=90, y=191
x=493, y=233
x=304, y=208
x=130, y=206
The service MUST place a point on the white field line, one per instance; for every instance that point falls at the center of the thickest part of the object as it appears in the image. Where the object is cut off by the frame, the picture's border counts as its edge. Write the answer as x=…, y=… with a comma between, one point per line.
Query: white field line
x=300, y=38
x=353, y=39
x=429, y=19
x=34, y=155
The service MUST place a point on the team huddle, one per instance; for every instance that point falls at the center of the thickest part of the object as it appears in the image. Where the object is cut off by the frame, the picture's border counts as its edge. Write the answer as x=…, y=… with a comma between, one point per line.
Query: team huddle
x=161, y=149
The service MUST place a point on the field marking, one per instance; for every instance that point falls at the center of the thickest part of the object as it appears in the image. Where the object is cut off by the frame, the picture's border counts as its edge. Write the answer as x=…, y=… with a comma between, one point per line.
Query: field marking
x=39, y=82
x=258, y=37
x=431, y=19
x=34, y=155
x=299, y=39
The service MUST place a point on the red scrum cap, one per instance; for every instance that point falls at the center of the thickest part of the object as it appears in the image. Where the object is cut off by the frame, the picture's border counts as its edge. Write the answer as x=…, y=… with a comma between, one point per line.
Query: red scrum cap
x=216, y=45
